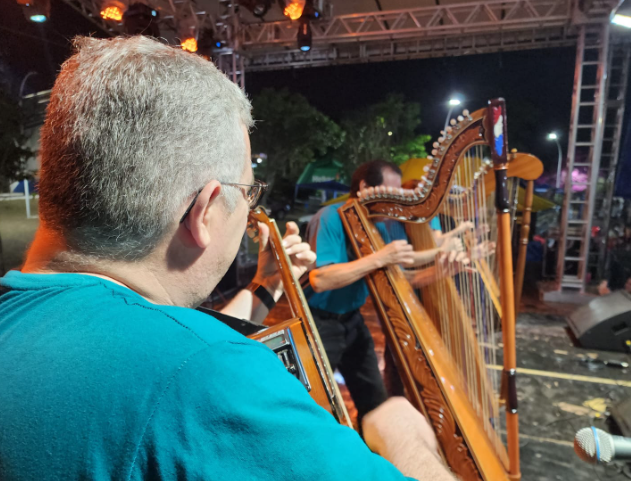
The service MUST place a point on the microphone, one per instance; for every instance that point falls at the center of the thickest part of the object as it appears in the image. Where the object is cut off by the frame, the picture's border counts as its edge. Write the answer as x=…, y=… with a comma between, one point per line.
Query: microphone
x=594, y=445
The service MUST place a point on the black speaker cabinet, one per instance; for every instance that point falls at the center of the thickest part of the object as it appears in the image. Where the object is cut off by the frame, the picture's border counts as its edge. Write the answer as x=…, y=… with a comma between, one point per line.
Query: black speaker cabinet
x=604, y=323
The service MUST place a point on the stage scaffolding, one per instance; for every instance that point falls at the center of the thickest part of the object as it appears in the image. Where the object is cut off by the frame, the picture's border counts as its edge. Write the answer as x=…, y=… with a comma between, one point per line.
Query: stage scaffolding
x=457, y=28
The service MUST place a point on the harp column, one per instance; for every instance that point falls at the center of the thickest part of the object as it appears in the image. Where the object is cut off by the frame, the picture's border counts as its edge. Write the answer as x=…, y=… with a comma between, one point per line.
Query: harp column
x=497, y=136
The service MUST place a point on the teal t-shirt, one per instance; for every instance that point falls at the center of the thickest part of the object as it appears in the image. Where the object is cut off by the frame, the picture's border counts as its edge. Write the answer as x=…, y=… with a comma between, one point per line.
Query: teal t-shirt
x=99, y=384
x=332, y=247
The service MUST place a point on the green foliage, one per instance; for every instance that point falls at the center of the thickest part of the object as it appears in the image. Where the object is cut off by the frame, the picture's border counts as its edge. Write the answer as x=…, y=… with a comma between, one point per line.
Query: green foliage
x=414, y=149
x=13, y=152
x=291, y=132
x=386, y=130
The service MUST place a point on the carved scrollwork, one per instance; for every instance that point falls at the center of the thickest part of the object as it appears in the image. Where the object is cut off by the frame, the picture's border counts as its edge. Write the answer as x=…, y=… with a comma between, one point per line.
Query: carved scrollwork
x=425, y=208
x=451, y=441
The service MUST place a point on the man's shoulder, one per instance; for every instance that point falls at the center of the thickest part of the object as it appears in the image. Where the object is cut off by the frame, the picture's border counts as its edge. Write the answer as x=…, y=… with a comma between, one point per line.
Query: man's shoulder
x=329, y=214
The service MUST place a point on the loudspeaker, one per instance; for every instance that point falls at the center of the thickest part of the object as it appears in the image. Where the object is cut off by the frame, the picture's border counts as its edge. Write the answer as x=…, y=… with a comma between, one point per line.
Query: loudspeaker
x=604, y=323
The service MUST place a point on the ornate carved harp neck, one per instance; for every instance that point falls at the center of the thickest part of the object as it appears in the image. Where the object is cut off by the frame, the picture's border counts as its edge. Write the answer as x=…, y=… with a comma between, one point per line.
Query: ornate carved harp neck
x=424, y=202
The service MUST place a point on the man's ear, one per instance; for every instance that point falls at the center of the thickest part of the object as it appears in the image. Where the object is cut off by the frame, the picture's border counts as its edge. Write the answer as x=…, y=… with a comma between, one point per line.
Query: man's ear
x=198, y=219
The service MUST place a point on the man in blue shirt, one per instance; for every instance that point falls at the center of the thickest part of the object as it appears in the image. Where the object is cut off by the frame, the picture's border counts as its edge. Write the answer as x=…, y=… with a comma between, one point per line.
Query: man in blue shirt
x=107, y=372
x=340, y=289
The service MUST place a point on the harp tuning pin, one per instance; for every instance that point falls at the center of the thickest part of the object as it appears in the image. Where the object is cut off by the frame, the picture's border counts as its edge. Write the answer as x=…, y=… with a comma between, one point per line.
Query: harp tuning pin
x=452, y=122
x=465, y=112
x=460, y=118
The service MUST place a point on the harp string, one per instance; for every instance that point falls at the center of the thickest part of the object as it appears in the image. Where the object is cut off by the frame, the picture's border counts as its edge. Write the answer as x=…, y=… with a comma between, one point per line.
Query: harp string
x=458, y=300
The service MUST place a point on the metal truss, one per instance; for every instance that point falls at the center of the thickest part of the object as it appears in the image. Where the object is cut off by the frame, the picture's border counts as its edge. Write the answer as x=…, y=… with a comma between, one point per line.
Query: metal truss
x=411, y=49
x=443, y=30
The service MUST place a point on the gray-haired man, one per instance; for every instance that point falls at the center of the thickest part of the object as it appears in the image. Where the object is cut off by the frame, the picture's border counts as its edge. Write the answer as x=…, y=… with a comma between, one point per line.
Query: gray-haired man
x=107, y=372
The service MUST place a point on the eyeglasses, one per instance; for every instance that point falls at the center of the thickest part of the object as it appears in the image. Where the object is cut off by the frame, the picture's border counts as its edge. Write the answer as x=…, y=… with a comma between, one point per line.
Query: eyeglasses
x=252, y=194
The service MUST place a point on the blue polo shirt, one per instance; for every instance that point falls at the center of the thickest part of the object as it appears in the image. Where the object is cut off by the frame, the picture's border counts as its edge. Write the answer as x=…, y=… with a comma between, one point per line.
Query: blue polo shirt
x=99, y=384
x=328, y=239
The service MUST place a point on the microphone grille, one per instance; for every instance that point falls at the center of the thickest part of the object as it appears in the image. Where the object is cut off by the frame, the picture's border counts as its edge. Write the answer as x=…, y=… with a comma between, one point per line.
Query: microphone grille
x=585, y=445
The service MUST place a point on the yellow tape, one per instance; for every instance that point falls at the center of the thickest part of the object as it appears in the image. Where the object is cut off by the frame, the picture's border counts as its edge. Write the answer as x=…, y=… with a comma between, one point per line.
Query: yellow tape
x=561, y=375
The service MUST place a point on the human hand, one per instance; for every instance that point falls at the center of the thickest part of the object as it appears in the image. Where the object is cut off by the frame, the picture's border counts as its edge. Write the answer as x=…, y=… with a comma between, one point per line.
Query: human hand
x=396, y=419
x=299, y=252
x=395, y=253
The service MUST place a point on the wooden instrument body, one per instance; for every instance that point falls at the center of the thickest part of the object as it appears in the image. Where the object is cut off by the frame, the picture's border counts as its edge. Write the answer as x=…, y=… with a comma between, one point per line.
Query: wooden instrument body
x=302, y=328
x=433, y=382
x=294, y=351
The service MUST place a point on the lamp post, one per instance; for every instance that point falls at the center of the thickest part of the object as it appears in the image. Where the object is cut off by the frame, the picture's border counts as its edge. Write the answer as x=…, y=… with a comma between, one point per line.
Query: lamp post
x=453, y=102
x=555, y=137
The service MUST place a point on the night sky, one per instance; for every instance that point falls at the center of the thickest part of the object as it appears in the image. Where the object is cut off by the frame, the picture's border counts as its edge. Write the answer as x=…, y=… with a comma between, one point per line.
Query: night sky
x=537, y=84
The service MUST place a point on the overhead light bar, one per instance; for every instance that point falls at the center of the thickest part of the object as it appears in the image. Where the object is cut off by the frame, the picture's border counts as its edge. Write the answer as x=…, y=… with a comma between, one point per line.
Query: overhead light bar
x=37, y=11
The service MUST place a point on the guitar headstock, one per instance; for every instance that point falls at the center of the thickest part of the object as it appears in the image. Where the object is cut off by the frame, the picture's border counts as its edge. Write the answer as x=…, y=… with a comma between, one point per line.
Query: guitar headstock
x=258, y=214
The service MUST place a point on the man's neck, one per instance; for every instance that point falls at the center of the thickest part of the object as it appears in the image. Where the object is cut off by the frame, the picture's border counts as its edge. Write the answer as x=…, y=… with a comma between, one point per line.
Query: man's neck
x=49, y=255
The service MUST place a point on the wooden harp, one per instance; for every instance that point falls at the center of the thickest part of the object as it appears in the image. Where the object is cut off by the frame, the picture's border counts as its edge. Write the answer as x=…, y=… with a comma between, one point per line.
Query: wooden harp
x=296, y=341
x=470, y=441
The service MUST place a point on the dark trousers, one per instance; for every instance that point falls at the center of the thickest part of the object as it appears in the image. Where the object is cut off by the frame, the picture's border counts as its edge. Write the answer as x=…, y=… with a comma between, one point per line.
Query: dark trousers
x=350, y=348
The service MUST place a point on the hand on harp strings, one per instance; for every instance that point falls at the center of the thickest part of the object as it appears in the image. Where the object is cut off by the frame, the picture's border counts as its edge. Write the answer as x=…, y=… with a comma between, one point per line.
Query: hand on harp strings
x=299, y=252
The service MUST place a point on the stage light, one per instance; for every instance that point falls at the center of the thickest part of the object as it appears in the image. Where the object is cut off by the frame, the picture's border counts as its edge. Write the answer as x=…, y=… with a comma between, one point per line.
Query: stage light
x=112, y=10
x=141, y=19
x=454, y=102
x=304, y=34
x=37, y=11
x=622, y=15
x=258, y=7
x=552, y=136
x=294, y=9
x=389, y=134
x=259, y=160
x=190, y=44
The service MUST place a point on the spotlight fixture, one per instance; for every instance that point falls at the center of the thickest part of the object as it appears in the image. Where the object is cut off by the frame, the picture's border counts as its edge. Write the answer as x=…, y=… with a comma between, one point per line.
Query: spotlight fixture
x=304, y=34
x=189, y=44
x=258, y=7
x=187, y=28
x=37, y=11
x=141, y=19
x=112, y=10
x=294, y=9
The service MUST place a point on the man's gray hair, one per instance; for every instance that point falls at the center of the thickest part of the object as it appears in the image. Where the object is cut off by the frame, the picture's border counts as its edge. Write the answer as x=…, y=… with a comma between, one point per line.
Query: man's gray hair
x=134, y=129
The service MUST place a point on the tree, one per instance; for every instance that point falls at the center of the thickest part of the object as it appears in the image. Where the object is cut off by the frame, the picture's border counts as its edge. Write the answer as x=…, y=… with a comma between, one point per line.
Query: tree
x=291, y=132
x=386, y=130
x=13, y=151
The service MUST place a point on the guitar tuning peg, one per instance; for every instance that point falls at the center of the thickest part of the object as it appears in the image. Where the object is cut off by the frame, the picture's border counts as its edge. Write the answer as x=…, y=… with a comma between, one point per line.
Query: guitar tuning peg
x=430, y=157
x=436, y=144
x=449, y=129
x=441, y=139
x=426, y=168
x=460, y=118
x=452, y=122
x=434, y=152
x=465, y=112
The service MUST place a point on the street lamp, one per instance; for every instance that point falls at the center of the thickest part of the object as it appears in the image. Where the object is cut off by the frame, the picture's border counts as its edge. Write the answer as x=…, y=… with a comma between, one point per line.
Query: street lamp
x=453, y=102
x=555, y=137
